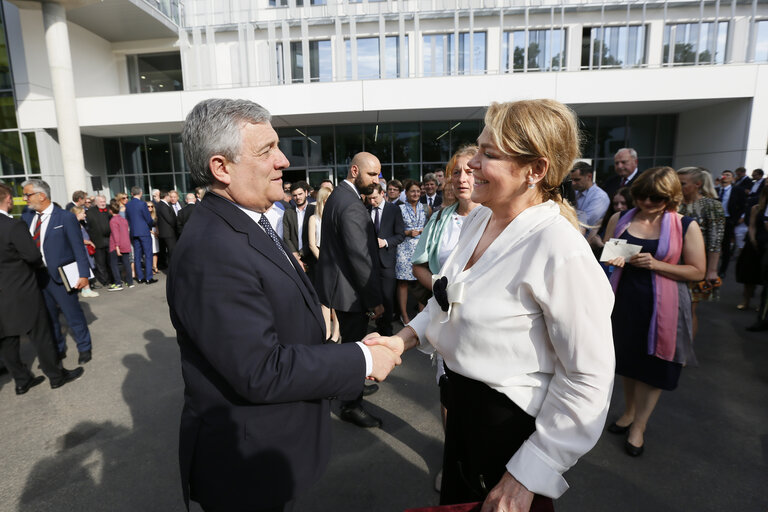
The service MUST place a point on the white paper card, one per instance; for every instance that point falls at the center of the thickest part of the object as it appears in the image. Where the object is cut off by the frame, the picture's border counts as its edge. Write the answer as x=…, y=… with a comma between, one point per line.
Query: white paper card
x=617, y=247
x=73, y=273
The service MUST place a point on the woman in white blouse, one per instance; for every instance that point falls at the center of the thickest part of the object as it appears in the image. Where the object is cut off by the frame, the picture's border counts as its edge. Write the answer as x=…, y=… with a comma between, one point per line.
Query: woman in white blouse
x=523, y=322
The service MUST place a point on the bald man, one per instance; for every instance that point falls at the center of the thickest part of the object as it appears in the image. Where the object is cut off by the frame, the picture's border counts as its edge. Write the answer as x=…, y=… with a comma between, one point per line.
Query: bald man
x=347, y=276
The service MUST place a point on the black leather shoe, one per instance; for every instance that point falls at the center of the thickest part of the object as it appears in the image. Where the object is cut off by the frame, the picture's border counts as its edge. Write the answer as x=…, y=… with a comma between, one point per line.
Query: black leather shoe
x=151, y=281
x=369, y=390
x=85, y=356
x=68, y=376
x=34, y=381
x=140, y=281
x=632, y=450
x=613, y=428
x=358, y=416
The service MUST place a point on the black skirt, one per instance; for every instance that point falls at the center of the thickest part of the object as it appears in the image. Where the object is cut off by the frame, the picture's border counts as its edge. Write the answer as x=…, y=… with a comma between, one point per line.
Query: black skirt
x=484, y=430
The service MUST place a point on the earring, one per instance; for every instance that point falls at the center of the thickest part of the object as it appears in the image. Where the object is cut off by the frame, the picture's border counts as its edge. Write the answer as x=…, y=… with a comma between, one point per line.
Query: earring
x=530, y=183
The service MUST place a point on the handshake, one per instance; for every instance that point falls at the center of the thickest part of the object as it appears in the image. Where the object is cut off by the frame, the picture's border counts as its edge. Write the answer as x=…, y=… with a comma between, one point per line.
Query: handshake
x=385, y=352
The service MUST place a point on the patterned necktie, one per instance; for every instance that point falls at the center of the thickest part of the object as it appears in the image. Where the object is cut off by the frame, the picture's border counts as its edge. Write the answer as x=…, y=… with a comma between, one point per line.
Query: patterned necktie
x=264, y=223
x=430, y=201
x=39, y=223
x=376, y=221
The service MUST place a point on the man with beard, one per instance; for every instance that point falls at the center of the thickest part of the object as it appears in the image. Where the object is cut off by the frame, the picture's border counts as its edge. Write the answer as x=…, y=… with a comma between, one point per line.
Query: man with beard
x=347, y=276
x=296, y=226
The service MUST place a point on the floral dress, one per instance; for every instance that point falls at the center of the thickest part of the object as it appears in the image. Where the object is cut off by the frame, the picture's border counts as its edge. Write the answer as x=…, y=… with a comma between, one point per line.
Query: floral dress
x=412, y=220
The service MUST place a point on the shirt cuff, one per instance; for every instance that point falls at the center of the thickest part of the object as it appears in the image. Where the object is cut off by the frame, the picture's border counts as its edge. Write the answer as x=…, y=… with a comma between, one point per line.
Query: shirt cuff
x=537, y=472
x=368, y=358
x=419, y=325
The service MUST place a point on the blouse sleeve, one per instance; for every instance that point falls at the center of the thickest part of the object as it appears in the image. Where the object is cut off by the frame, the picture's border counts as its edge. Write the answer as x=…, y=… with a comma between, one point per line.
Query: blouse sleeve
x=576, y=302
x=716, y=226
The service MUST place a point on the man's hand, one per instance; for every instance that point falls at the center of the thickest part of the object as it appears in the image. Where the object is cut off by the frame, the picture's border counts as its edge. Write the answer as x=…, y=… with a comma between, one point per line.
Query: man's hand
x=384, y=361
x=376, y=312
x=301, y=263
x=509, y=495
x=394, y=343
x=117, y=250
x=382, y=243
x=81, y=283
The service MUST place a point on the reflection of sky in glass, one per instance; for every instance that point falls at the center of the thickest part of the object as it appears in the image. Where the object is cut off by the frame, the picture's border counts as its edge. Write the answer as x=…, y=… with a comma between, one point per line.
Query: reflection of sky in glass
x=436, y=62
x=702, y=39
x=323, y=49
x=368, y=58
x=540, y=52
x=761, y=44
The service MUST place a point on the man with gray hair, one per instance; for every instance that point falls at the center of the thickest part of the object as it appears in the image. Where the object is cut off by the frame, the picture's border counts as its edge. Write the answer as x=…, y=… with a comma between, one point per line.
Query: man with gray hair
x=432, y=197
x=99, y=231
x=625, y=165
x=255, y=427
x=57, y=234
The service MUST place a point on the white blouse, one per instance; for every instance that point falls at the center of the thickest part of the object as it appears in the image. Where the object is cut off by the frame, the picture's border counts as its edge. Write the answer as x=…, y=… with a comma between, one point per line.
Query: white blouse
x=533, y=321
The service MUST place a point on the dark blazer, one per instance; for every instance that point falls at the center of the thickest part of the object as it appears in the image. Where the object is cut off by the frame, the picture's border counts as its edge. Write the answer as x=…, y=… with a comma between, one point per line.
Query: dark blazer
x=347, y=276
x=20, y=296
x=613, y=184
x=391, y=229
x=737, y=203
x=255, y=427
x=183, y=216
x=291, y=230
x=167, y=225
x=745, y=182
x=437, y=202
x=140, y=222
x=98, y=227
x=62, y=243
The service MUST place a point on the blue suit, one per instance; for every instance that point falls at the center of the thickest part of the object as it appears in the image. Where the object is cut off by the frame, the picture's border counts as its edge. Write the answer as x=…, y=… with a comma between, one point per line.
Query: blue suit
x=62, y=245
x=140, y=223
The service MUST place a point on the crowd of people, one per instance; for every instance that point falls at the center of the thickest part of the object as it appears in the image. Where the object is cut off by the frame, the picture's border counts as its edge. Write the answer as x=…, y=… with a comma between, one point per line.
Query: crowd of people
x=494, y=265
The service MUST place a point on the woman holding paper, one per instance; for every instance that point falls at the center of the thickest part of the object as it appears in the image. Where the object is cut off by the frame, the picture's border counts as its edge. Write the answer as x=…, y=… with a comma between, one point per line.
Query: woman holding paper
x=652, y=331
x=521, y=316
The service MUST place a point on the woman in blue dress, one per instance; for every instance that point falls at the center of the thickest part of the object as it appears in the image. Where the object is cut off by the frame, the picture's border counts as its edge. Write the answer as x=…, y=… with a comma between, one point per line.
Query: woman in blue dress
x=415, y=216
x=652, y=328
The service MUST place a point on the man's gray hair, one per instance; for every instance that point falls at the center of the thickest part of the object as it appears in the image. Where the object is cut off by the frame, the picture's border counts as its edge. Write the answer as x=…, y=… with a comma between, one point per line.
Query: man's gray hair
x=136, y=191
x=631, y=151
x=38, y=186
x=430, y=176
x=213, y=128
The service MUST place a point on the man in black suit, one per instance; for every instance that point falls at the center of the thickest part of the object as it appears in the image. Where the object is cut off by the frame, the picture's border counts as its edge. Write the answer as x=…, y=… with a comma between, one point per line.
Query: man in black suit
x=625, y=165
x=432, y=197
x=734, y=201
x=390, y=232
x=347, y=277
x=255, y=427
x=78, y=199
x=296, y=226
x=740, y=179
x=97, y=219
x=22, y=309
x=183, y=216
x=167, y=228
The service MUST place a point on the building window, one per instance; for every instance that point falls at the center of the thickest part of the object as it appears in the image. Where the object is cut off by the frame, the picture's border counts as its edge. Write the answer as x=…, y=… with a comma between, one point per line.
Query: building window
x=688, y=44
x=369, y=63
x=545, y=50
x=155, y=72
x=320, y=61
x=613, y=47
x=439, y=54
x=761, y=41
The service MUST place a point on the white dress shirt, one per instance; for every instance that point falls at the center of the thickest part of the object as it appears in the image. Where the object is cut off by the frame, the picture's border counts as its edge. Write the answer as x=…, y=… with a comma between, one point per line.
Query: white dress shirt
x=726, y=197
x=45, y=219
x=534, y=324
x=275, y=217
x=300, y=213
x=755, y=186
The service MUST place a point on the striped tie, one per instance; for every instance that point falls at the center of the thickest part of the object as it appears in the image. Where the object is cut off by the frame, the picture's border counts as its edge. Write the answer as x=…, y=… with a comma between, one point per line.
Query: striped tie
x=264, y=223
x=36, y=235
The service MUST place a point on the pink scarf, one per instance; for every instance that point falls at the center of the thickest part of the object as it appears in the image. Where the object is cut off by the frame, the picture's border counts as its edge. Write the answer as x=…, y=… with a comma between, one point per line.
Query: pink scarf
x=662, y=335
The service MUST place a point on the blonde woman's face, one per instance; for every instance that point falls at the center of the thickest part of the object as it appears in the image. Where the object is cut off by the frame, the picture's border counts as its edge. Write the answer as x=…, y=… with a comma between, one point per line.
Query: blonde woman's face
x=498, y=178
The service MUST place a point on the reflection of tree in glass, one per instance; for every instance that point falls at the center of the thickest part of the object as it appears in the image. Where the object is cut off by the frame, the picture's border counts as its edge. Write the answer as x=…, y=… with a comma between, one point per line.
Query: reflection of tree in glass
x=557, y=62
x=533, y=55
x=684, y=53
x=607, y=59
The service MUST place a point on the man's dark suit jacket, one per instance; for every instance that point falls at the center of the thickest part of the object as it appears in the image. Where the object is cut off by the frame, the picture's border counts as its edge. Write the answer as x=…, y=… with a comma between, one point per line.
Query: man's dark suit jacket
x=291, y=231
x=347, y=275
x=62, y=242
x=737, y=202
x=139, y=220
x=20, y=296
x=98, y=227
x=255, y=427
x=167, y=225
x=613, y=184
x=183, y=217
x=391, y=229
x=437, y=201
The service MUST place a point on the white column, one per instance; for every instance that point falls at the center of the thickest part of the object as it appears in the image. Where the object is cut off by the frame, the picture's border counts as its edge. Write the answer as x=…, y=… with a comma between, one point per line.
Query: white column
x=63, y=84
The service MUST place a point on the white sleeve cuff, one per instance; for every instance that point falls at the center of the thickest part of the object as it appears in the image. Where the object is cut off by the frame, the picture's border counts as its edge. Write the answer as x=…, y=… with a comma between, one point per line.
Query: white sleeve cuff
x=537, y=472
x=419, y=324
x=368, y=358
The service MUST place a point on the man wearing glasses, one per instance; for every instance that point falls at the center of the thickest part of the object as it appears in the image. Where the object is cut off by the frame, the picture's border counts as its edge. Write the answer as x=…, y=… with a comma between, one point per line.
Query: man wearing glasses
x=140, y=223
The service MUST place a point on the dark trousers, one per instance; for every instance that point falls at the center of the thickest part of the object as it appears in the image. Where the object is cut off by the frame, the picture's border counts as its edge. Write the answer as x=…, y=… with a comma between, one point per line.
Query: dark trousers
x=142, y=246
x=353, y=326
x=285, y=507
x=167, y=245
x=126, y=259
x=388, y=286
x=47, y=355
x=101, y=256
x=484, y=430
x=56, y=297
x=725, y=251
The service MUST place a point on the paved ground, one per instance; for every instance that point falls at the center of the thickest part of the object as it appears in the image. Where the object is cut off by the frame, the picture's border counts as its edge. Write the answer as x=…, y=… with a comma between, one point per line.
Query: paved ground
x=108, y=441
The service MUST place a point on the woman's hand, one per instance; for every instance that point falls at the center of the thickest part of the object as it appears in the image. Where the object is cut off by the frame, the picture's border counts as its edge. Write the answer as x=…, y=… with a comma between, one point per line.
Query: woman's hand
x=117, y=250
x=617, y=262
x=712, y=276
x=643, y=260
x=509, y=495
x=394, y=343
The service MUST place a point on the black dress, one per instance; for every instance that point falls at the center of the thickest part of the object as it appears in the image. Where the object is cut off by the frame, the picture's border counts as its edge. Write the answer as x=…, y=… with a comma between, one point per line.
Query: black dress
x=631, y=319
x=749, y=263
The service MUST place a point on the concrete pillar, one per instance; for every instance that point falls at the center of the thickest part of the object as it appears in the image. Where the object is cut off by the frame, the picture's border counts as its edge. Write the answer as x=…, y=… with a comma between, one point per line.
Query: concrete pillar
x=63, y=84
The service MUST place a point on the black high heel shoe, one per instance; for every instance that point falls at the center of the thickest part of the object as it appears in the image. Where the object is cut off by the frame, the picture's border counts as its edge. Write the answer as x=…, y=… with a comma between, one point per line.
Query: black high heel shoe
x=613, y=428
x=632, y=450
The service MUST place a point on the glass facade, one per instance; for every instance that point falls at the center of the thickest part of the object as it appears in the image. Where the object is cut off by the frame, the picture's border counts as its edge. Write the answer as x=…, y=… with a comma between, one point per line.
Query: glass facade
x=613, y=47
x=439, y=59
x=544, y=51
x=320, y=61
x=369, y=62
x=155, y=72
x=688, y=44
x=761, y=41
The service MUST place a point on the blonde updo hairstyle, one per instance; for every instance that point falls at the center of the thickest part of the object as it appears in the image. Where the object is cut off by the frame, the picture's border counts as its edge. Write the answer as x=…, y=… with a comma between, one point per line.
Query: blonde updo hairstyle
x=531, y=129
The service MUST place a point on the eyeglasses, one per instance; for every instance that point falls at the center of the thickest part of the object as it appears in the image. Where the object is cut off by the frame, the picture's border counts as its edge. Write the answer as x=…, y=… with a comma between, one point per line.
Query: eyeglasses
x=27, y=196
x=654, y=198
